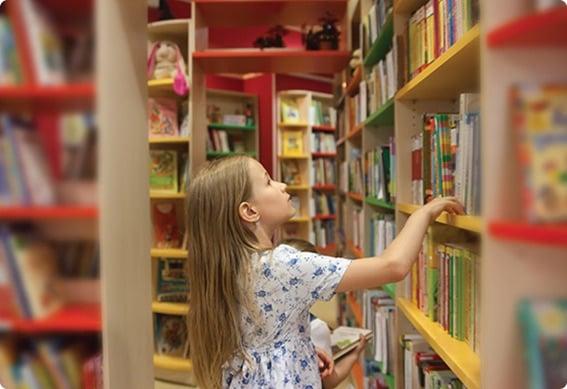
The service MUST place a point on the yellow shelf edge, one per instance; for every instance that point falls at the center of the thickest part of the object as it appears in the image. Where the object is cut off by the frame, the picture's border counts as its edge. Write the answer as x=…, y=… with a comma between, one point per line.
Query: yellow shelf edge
x=301, y=124
x=173, y=139
x=468, y=38
x=172, y=363
x=169, y=253
x=469, y=223
x=157, y=195
x=297, y=187
x=293, y=156
x=460, y=358
x=160, y=83
x=298, y=220
x=170, y=308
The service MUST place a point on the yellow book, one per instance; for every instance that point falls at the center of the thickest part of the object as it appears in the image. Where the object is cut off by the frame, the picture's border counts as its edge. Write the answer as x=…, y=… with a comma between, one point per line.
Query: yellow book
x=292, y=143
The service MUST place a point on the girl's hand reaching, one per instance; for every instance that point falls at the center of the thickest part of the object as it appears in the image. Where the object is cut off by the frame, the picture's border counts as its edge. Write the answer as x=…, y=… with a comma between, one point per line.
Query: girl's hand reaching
x=326, y=363
x=435, y=207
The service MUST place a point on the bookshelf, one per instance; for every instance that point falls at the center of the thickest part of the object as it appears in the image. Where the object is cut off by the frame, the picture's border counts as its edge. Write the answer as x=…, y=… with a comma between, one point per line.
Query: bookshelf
x=306, y=153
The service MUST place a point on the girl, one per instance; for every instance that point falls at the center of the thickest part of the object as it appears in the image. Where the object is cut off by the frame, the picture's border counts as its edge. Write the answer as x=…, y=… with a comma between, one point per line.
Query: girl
x=249, y=315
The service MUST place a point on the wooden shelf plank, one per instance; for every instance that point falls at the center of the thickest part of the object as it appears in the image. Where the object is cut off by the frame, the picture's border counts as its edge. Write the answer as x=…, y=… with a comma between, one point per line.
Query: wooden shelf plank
x=469, y=223
x=379, y=203
x=69, y=319
x=356, y=197
x=271, y=61
x=170, y=308
x=61, y=212
x=382, y=44
x=356, y=251
x=299, y=125
x=384, y=116
x=407, y=6
x=169, y=27
x=324, y=217
x=354, y=83
x=299, y=219
x=543, y=234
x=170, y=140
x=330, y=249
x=230, y=127
x=221, y=13
x=293, y=188
x=48, y=92
x=163, y=83
x=356, y=309
x=355, y=133
x=390, y=289
x=169, y=253
x=358, y=374
x=171, y=363
x=293, y=156
x=323, y=155
x=547, y=28
x=323, y=128
x=218, y=154
x=457, y=354
x=443, y=78
x=167, y=196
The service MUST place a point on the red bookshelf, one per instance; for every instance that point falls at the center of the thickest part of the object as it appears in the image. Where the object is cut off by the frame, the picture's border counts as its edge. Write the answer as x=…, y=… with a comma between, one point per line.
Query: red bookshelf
x=324, y=217
x=356, y=196
x=330, y=249
x=271, y=61
x=323, y=128
x=542, y=29
x=544, y=234
x=49, y=93
x=324, y=155
x=355, y=308
x=221, y=13
x=42, y=213
x=357, y=251
x=326, y=187
x=72, y=318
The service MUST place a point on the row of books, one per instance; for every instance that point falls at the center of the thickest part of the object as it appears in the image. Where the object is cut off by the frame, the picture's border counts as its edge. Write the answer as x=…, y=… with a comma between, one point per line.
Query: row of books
x=446, y=156
x=445, y=284
x=169, y=171
x=379, y=172
x=382, y=231
x=164, y=116
x=169, y=232
x=171, y=336
x=376, y=18
x=10, y=72
x=171, y=280
x=44, y=363
x=323, y=143
x=25, y=178
x=219, y=140
x=323, y=204
x=380, y=85
x=379, y=312
x=423, y=368
x=321, y=114
x=323, y=171
x=435, y=27
x=357, y=222
x=324, y=232
x=352, y=174
x=243, y=116
x=78, y=259
x=28, y=269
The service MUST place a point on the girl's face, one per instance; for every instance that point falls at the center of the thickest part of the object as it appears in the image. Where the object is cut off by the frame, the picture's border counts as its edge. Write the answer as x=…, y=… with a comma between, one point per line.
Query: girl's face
x=269, y=198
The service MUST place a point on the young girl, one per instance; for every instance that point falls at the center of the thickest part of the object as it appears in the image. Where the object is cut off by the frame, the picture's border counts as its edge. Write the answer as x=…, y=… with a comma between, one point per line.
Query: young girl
x=249, y=316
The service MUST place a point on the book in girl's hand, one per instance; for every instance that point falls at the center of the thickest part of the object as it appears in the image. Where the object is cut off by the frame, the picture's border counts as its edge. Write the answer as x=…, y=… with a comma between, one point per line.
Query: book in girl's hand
x=346, y=339
x=171, y=335
x=166, y=227
x=162, y=118
x=163, y=171
x=171, y=284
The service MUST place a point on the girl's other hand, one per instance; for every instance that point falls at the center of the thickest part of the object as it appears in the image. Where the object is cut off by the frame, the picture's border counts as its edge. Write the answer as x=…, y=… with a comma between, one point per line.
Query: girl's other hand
x=435, y=207
x=361, y=346
x=326, y=363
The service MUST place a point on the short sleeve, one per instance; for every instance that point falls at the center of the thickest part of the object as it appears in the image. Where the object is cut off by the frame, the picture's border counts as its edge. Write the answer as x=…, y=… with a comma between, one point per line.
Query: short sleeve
x=310, y=276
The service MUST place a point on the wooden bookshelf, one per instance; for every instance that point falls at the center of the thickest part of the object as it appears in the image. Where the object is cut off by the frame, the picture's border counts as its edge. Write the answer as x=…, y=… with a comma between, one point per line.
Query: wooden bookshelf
x=520, y=231
x=299, y=125
x=169, y=253
x=182, y=140
x=299, y=219
x=358, y=197
x=167, y=196
x=323, y=128
x=456, y=354
x=75, y=319
x=384, y=116
x=379, y=203
x=443, y=78
x=382, y=44
x=294, y=188
x=356, y=309
x=172, y=363
x=228, y=127
x=48, y=213
x=470, y=223
x=356, y=251
x=170, y=308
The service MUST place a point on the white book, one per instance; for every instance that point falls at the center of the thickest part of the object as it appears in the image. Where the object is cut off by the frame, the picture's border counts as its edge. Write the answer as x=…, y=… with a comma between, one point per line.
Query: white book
x=383, y=82
x=391, y=74
x=346, y=339
x=363, y=101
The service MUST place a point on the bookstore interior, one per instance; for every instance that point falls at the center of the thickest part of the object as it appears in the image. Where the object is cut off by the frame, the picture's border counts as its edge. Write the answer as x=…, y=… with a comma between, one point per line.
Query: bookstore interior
x=367, y=110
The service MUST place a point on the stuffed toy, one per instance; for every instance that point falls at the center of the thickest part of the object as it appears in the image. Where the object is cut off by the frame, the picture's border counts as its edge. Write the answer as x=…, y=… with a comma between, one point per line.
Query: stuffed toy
x=165, y=61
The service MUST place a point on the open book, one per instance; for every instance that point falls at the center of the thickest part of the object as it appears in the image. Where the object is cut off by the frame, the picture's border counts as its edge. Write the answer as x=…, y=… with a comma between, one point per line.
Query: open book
x=346, y=339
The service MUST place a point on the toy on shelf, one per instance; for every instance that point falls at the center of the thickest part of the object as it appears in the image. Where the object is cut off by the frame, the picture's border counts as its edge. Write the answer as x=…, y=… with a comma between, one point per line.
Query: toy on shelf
x=165, y=61
x=272, y=38
x=323, y=37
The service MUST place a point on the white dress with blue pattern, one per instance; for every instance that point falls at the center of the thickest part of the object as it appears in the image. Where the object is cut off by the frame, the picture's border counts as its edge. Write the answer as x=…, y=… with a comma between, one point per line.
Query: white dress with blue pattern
x=280, y=352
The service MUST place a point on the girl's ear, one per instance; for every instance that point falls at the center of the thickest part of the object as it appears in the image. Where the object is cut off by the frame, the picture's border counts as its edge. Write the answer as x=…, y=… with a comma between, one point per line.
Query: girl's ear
x=248, y=212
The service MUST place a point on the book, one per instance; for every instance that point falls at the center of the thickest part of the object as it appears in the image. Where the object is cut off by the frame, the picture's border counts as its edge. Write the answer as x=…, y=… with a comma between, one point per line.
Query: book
x=163, y=171
x=166, y=226
x=346, y=339
x=162, y=117
x=291, y=174
x=289, y=111
x=171, y=281
x=171, y=336
x=292, y=143
x=10, y=71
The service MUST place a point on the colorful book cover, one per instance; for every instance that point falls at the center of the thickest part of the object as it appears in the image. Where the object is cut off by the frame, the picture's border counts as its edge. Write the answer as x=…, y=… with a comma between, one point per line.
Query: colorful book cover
x=292, y=143
x=171, y=335
x=171, y=283
x=163, y=171
x=289, y=111
x=166, y=226
x=162, y=118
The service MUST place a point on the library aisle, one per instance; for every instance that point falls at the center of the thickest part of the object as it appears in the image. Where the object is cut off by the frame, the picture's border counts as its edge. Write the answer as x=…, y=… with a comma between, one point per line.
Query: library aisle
x=366, y=109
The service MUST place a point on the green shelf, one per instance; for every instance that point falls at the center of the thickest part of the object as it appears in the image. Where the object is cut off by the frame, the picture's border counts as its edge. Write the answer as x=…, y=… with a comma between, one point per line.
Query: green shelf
x=390, y=289
x=379, y=203
x=384, y=116
x=217, y=154
x=230, y=127
x=382, y=44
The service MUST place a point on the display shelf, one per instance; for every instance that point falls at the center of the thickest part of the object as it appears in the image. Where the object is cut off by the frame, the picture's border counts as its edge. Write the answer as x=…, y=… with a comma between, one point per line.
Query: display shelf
x=457, y=354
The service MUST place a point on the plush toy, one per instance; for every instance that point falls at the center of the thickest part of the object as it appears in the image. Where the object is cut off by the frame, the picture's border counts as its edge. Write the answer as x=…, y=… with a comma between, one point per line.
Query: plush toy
x=165, y=61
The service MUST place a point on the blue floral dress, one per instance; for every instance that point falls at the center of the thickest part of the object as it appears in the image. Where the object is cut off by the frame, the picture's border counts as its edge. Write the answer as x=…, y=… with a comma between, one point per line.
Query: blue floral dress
x=279, y=350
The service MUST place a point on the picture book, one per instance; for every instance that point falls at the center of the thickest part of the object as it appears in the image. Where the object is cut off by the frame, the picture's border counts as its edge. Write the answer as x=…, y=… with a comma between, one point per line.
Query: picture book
x=292, y=143
x=163, y=171
x=540, y=117
x=346, y=339
x=171, y=335
x=544, y=327
x=291, y=174
x=290, y=111
x=162, y=117
x=166, y=227
x=171, y=283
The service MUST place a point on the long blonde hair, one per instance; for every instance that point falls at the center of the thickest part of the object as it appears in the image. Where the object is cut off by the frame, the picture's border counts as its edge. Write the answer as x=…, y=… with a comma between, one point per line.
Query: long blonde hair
x=219, y=268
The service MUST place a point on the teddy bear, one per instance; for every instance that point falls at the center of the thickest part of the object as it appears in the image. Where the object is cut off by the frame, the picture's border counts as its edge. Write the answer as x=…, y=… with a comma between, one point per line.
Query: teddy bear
x=165, y=61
